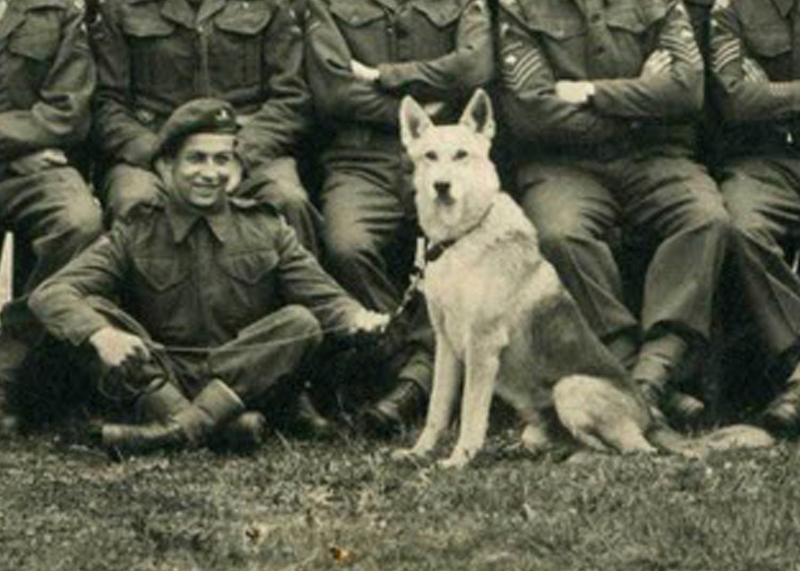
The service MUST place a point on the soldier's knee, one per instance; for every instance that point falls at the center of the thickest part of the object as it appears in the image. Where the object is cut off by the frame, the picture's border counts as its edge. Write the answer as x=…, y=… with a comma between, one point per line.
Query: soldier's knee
x=346, y=248
x=79, y=216
x=706, y=212
x=561, y=235
x=126, y=186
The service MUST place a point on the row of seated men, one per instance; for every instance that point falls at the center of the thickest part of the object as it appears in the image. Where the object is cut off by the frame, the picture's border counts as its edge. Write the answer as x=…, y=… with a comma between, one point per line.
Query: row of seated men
x=599, y=100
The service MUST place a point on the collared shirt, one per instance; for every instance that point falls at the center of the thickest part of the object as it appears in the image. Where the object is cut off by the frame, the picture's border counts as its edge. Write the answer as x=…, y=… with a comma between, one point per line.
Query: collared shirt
x=192, y=279
x=435, y=50
x=155, y=55
x=759, y=114
x=47, y=76
x=606, y=42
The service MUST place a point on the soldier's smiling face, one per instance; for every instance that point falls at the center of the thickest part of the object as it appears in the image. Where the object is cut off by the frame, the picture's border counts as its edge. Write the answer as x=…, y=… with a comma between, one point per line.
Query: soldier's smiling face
x=204, y=168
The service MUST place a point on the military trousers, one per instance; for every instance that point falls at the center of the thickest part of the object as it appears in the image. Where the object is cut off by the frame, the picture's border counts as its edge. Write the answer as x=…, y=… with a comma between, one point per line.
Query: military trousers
x=263, y=355
x=670, y=200
x=370, y=241
x=763, y=198
x=54, y=214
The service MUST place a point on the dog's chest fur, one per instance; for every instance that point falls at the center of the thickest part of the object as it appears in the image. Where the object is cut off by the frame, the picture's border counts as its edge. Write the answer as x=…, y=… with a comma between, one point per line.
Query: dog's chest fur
x=480, y=284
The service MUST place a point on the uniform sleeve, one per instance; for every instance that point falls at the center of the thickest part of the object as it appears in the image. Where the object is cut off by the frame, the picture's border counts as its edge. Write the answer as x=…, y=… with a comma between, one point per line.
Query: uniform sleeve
x=122, y=137
x=60, y=118
x=468, y=67
x=678, y=93
x=274, y=130
x=338, y=94
x=61, y=301
x=532, y=110
x=741, y=100
x=304, y=282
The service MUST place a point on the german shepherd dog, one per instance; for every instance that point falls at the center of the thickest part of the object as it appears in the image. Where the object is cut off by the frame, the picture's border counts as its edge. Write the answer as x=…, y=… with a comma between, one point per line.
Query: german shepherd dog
x=504, y=322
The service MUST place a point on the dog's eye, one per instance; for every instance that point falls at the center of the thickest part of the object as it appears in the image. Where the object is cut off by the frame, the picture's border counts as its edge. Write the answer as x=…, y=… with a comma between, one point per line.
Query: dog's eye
x=461, y=154
x=431, y=155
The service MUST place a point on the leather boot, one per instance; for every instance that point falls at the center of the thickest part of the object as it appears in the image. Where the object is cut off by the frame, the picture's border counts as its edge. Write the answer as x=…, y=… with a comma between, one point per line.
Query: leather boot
x=783, y=413
x=308, y=421
x=395, y=412
x=160, y=401
x=215, y=405
x=243, y=433
x=12, y=358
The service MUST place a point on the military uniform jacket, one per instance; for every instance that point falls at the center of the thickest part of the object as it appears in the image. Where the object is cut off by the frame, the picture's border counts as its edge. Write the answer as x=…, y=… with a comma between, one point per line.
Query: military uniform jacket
x=606, y=42
x=435, y=50
x=191, y=280
x=761, y=116
x=154, y=55
x=46, y=77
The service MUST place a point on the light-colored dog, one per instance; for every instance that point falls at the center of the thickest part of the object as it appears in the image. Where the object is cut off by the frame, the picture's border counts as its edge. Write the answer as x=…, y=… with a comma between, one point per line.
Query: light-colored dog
x=504, y=322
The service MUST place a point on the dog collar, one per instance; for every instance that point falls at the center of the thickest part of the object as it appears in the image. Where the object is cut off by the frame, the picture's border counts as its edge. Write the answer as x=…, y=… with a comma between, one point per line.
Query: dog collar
x=435, y=251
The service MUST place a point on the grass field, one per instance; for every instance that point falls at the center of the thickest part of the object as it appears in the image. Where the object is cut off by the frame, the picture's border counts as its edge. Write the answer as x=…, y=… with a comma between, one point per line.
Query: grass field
x=313, y=506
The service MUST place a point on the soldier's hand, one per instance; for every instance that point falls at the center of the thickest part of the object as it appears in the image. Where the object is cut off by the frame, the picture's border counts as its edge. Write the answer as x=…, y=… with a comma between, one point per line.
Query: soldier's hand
x=753, y=73
x=38, y=161
x=368, y=323
x=658, y=63
x=364, y=72
x=118, y=349
x=576, y=92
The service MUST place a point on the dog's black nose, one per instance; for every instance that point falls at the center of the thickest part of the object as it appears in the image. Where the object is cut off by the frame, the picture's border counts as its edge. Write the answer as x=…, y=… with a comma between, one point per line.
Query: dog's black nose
x=442, y=188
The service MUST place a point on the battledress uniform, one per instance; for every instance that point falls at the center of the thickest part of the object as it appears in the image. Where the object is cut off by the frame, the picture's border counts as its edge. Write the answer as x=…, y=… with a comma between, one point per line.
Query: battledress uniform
x=760, y=176
x=46, y=79
x=154, y=55
x=435, y=50
x=228, y=296
x=624, y=156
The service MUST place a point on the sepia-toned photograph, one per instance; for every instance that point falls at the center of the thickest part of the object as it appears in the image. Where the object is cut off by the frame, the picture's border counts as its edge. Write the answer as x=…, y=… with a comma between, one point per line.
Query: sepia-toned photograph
x=399, y=285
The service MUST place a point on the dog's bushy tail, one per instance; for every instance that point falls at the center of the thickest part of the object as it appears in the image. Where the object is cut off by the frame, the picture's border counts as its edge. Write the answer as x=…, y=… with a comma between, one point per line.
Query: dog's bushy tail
x=727, y=438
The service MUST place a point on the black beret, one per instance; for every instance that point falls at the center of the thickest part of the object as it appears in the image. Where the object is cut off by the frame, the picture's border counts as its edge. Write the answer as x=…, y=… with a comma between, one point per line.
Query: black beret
x=196, y=116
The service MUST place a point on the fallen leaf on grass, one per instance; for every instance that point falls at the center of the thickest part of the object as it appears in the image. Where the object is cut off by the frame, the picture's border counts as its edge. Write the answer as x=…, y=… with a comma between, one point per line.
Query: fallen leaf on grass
x=343, y=556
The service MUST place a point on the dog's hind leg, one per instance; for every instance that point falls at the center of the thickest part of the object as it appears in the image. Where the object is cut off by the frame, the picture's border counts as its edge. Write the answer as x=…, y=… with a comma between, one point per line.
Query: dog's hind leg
x=482, y=366
x=446, y=380
x=601, y=416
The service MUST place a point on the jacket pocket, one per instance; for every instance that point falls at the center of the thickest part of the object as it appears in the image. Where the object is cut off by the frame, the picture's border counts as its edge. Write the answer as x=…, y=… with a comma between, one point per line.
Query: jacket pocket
x=161, y=274
x=249, y=267
x=441, y=13
x=36, y=40
x=636, y=18
x=556, y=27
x=356, y=14
x=769, y=41
x=236, y=50
x=146, y=23
x=364, y=27
x=244, y=17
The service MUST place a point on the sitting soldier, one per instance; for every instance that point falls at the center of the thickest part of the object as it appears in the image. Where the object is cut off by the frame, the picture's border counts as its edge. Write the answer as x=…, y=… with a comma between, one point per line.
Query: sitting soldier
x=46, y=82
x=218, y=301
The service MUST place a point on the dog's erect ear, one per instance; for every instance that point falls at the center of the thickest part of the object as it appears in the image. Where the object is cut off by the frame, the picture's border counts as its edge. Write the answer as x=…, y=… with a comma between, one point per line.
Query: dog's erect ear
x=413, y=120
x=478, y=114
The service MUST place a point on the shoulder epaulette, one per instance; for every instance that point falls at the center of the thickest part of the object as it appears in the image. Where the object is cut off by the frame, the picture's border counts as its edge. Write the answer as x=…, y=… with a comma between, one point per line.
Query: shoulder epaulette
x=142, y=211
x=250, y=204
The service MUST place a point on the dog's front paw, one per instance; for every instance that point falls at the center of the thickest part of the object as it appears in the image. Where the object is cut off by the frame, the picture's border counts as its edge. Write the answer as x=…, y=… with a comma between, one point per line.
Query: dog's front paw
x=535, y=439
x=458, y=459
